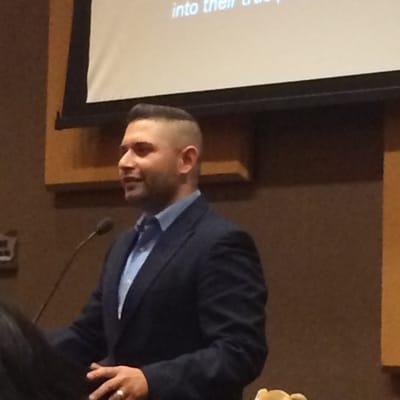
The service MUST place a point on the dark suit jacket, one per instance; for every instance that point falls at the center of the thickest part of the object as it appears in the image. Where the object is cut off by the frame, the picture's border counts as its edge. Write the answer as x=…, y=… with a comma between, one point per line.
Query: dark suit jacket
x=193, y=320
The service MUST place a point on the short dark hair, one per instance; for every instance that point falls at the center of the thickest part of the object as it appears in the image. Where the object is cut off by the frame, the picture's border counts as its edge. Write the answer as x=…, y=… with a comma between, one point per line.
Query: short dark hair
x=155, y=111
x=30, y=368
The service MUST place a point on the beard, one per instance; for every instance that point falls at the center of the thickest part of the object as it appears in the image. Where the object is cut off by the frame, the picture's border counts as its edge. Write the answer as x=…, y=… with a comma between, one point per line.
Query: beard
x=154, y=192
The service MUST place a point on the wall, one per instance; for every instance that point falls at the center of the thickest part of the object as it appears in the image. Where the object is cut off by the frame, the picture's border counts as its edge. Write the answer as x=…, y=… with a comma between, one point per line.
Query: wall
x=314, y=209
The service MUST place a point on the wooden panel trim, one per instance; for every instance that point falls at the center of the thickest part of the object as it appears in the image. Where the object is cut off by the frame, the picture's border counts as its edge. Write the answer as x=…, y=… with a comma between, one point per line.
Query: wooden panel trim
x=390, y=329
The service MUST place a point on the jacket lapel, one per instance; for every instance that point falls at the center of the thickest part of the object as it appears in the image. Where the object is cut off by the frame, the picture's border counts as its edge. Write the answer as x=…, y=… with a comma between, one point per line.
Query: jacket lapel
x=169, y=243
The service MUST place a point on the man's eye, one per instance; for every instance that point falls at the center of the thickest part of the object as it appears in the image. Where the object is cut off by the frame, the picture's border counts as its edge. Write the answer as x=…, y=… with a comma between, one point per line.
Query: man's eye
x=142, y=149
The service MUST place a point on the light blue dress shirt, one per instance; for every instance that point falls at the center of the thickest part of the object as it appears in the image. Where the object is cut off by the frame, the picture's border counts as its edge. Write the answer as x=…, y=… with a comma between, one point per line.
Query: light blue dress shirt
x=152, y=231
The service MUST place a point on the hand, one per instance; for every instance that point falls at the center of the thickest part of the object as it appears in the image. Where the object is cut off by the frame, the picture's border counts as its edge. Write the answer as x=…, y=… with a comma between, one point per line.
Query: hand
x=131, y=381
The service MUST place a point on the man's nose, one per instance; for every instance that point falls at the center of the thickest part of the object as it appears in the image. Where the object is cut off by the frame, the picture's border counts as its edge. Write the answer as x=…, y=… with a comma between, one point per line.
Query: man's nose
x=127, y=160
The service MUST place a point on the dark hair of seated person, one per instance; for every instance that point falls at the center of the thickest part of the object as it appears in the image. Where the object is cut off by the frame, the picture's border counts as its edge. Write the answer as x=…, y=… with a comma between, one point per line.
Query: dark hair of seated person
x=29, y=368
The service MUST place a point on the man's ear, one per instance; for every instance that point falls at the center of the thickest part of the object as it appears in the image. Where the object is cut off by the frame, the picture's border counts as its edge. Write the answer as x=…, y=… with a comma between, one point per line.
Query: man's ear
x=188, y=159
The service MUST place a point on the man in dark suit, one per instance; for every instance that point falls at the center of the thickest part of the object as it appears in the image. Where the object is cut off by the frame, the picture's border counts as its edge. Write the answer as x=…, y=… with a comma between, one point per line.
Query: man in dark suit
x=178, y=312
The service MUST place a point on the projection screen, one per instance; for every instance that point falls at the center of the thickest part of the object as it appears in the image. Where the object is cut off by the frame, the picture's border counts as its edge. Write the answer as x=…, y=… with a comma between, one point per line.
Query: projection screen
x=210, y=52
x=142, y=48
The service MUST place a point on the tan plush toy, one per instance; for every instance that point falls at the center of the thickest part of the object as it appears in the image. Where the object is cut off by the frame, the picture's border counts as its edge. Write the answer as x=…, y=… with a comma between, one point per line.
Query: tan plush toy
x=264, y=394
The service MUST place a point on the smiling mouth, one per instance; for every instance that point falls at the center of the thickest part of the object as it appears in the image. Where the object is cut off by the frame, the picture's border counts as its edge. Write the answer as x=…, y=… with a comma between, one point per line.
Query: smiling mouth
x=130, y=179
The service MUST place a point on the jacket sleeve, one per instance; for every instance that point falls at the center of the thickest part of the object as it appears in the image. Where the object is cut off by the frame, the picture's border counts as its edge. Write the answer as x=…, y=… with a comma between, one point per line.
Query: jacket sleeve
x=231, y=307
x=84, y=340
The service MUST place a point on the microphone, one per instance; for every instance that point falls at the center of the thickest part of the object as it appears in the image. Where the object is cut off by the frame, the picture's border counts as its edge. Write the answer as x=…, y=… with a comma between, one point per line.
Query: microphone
x=103, y=226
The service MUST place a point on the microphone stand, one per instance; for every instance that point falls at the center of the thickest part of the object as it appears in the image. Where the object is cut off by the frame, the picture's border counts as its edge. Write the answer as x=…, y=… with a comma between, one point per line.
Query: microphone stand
x=61, y=276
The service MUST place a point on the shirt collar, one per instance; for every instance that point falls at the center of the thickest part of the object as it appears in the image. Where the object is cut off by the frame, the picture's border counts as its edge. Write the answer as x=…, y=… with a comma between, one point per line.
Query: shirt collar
x=167, y=216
